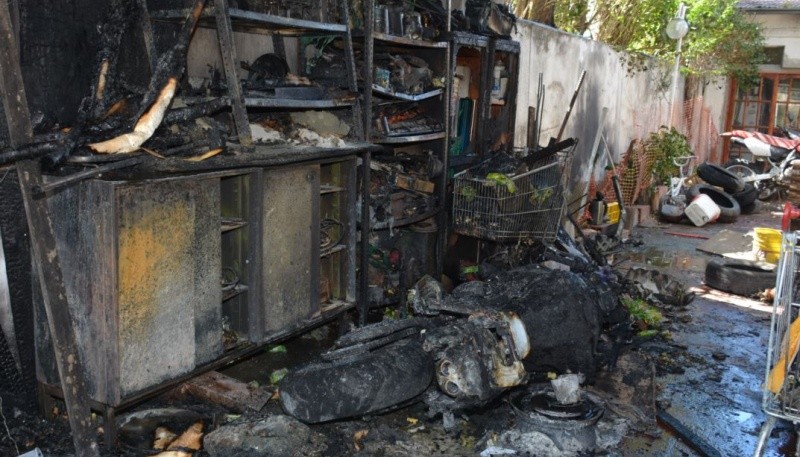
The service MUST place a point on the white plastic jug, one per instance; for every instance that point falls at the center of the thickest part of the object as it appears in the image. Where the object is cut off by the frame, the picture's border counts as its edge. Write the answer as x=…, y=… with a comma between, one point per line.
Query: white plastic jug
x=702, y=210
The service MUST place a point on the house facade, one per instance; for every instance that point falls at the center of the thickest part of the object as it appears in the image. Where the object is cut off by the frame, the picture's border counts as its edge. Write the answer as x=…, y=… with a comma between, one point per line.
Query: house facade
x=775, y=101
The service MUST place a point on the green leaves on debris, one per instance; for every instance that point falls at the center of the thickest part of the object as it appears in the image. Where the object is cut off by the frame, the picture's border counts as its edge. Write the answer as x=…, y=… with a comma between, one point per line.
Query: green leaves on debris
x=644, y=316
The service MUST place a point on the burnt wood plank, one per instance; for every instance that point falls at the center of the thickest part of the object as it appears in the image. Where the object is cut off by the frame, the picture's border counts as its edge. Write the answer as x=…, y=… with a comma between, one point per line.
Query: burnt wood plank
x=227, y=391
x=15, y=104
x=228, y=51
x=46, y=260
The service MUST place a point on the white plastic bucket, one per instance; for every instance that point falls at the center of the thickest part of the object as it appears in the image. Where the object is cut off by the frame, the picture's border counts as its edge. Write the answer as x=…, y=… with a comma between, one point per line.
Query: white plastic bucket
x=702, y=210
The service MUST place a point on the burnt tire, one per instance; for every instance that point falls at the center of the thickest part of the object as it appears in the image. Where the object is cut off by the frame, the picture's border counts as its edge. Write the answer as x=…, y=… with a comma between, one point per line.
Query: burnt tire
x=718, y=176
x=749, y=209
x=351, y=387
x=729, y=208
x=747, y=196
x=739, y=277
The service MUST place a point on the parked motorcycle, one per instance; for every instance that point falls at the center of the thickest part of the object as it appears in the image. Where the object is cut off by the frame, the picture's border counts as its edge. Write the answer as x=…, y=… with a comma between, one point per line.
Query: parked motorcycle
x=769, y=169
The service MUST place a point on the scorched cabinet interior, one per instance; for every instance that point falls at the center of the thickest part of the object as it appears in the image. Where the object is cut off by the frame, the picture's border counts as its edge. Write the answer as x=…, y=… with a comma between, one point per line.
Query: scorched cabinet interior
x=169, y=276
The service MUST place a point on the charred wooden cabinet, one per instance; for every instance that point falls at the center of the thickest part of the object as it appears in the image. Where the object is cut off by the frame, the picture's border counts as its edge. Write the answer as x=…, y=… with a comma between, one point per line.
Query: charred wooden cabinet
x=168, y=276
x=141, y=266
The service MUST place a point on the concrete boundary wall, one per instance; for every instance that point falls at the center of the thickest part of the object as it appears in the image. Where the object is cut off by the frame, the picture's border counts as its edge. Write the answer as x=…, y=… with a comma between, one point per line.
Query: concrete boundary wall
x=637, y=102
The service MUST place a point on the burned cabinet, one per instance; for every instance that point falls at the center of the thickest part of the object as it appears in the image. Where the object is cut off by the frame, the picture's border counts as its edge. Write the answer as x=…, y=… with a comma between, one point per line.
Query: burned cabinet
x=293, y=263
x=405, y=79
x=141, y=268
x=483, y=95
x=174, y=275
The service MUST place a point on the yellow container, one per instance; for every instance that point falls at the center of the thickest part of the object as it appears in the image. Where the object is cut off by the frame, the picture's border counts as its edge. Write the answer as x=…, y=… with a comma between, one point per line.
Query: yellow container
x=768, y=240
x=613, y=212
x=772, y=257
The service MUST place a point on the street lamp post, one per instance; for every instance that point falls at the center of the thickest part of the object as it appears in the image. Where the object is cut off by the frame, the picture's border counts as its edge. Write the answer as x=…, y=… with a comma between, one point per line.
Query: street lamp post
x=677, y=28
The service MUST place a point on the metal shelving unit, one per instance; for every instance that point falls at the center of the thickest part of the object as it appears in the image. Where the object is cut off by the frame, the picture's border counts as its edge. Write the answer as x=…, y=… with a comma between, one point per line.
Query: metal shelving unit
x=434, y=103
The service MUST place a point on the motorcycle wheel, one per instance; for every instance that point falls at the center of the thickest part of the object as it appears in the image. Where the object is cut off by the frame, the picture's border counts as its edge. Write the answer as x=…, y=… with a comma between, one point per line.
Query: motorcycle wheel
x=766, y=190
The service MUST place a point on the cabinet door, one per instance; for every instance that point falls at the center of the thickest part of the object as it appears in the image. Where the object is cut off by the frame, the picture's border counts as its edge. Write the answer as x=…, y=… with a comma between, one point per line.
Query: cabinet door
x=168, y=279
x=290, y=246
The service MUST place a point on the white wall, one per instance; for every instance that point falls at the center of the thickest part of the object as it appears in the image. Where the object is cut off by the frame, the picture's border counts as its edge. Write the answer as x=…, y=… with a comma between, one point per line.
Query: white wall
x=638, y=103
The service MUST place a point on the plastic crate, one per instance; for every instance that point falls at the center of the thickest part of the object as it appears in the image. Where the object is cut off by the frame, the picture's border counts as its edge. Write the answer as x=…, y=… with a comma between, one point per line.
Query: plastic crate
x=530, y=208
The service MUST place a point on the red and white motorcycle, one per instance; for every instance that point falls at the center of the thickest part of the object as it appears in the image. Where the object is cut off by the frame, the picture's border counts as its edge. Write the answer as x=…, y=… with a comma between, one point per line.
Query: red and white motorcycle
x=769, y=168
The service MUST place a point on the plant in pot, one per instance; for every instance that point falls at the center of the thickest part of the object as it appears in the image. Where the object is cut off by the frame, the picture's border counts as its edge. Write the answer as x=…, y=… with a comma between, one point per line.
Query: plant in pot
x=666, y=149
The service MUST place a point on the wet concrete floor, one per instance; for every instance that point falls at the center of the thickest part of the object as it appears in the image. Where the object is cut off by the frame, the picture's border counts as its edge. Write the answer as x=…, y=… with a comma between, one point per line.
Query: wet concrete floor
x=718, y=397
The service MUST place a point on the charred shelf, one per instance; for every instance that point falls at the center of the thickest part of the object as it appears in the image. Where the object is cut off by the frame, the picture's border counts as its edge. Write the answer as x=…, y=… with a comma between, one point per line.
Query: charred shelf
x=260, y=102
x=407, y=221
x=229, y=224
x=243, y=19
x=410, y=138
x=330, y=189
x=234, y=292
x=259, y=155
x=399, y=95
x=469, y=39
x=405, y=41
x=332, y=250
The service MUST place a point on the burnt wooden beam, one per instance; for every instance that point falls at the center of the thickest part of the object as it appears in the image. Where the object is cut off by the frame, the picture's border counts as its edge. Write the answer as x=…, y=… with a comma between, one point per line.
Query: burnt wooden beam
x=147, y=33
x=54, y=296
x=229, y=62
x=227, y=391
x=15, y=104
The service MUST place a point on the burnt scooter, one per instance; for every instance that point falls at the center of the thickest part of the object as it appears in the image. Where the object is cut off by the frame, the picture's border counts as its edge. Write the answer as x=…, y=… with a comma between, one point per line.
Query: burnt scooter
x=770, y=167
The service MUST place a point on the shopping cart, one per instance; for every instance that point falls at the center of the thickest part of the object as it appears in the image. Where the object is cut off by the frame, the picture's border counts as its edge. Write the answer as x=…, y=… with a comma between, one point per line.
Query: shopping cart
x=782, y=381
x=528, y=205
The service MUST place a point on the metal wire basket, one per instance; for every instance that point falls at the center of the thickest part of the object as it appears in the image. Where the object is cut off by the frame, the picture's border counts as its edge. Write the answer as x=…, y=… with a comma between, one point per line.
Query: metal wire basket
x=782, y=385
x=782, y=380
x=528, y=205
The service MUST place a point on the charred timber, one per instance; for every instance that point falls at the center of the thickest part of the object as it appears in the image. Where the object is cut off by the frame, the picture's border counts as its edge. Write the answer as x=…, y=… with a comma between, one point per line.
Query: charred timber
x=162, y=89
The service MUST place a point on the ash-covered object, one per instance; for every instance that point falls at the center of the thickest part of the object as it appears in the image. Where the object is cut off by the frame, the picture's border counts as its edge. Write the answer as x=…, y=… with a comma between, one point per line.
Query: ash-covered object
x=562, y=312
x=658, y=287
x=306, y=128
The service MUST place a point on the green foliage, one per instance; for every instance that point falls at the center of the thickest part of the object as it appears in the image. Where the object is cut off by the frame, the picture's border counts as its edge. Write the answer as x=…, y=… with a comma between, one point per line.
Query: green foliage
x=664, y=146
x=721, y=40
x=641, y=313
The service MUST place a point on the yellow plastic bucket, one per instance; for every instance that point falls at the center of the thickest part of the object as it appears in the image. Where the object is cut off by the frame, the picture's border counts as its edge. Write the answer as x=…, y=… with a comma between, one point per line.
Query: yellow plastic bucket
x=772, y=257
x=768, y=239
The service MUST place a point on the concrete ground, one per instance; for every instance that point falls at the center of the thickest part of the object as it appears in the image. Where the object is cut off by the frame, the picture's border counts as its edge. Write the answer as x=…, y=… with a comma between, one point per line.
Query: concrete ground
x=718, y=395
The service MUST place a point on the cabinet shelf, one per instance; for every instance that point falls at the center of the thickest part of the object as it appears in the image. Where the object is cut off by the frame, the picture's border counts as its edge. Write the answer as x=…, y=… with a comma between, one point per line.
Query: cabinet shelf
x=407, y=221
x=410, y=138
x=332, y=250
x=409, y=97
x=262, y=102
x=405, y=41
x=229, y=224
x=250, y=19
x=234, y=292
x=330, y=189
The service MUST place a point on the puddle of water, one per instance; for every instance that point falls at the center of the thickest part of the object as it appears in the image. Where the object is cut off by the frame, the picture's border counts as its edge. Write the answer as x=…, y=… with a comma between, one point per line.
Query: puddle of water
x=683, y=260
x=741, y=416
x=299, y=350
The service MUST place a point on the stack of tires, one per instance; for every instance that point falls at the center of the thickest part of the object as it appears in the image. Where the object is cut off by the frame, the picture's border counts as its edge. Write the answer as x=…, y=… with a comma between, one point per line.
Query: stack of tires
x=732, y=195
x=729, y=192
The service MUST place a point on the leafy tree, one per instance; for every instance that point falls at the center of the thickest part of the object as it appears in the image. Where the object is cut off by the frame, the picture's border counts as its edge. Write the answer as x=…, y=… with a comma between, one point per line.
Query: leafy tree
x=721, y=41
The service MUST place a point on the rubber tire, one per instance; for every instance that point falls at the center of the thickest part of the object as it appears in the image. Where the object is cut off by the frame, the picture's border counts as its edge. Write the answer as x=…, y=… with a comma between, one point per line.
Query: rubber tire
x=719, y=176
x=739, y=277
x=747, y=196
x=729, y=208
x=372, y=382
